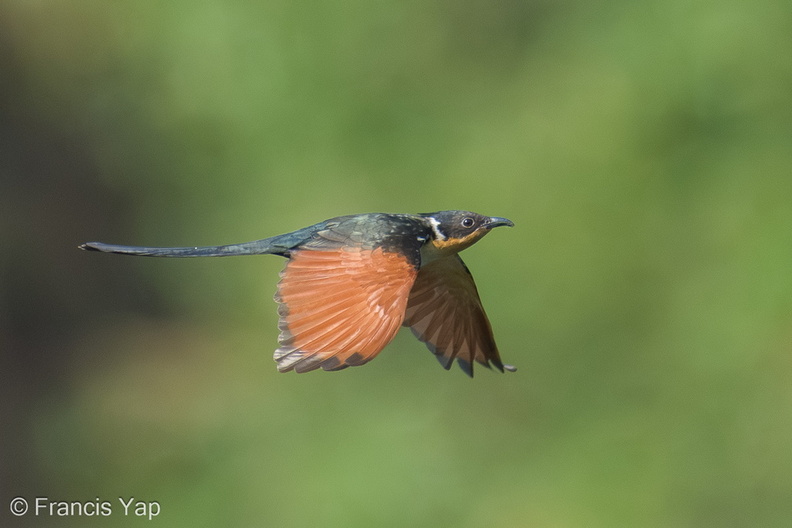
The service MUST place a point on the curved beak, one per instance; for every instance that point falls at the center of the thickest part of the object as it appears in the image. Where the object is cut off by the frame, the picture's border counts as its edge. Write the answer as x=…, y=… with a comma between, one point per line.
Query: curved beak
x=497, y=221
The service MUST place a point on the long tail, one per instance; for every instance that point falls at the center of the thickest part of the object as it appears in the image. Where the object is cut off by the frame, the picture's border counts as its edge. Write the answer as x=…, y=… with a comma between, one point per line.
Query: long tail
x=276, y=245
x=258, y=247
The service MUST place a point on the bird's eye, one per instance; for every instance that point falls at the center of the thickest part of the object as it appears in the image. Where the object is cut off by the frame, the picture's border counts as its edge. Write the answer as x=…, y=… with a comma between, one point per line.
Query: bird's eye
x=468, y=222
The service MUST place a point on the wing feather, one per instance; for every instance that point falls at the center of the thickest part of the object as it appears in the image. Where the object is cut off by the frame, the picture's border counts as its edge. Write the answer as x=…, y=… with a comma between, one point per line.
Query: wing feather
x=339, y=307
x=445, y=312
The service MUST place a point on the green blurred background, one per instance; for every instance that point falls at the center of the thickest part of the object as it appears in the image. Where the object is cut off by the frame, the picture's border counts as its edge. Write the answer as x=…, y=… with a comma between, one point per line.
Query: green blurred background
x=643, y=151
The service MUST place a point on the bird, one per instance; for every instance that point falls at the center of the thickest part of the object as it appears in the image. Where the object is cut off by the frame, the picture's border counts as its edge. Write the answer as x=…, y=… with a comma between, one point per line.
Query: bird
x=351, y=282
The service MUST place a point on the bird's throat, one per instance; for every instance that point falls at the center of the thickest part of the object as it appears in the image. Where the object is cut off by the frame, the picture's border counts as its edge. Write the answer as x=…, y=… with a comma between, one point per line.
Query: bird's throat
x=436, y=248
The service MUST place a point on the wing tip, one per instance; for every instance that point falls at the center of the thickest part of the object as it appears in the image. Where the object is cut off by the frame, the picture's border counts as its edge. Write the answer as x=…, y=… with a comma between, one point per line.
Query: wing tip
x=289, y=359
x=466, y=366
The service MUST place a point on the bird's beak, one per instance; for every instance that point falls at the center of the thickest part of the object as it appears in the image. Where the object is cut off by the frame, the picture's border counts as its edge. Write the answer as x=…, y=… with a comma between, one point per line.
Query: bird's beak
x=497, y=221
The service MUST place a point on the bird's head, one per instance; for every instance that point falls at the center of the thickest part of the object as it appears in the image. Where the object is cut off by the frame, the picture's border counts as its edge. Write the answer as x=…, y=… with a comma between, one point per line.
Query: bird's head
x=457, y=230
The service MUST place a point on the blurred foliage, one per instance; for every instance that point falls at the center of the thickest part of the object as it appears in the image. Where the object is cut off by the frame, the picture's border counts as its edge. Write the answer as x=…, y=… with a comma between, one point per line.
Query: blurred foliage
x=642, y=149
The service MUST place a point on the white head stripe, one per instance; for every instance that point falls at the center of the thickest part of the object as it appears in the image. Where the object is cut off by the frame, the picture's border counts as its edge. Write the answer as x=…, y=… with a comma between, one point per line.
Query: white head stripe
x=435, y=225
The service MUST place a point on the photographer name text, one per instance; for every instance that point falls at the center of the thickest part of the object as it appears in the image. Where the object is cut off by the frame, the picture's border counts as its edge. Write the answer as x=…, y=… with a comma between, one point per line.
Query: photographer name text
x=46, y=507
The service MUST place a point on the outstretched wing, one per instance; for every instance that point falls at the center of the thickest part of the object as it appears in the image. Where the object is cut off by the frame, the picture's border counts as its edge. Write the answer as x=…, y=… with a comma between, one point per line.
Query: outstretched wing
x=445, y=312
x=339, y=306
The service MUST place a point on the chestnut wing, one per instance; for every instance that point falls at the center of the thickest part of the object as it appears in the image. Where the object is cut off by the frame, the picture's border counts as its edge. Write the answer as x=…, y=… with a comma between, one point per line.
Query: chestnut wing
x=445, y=312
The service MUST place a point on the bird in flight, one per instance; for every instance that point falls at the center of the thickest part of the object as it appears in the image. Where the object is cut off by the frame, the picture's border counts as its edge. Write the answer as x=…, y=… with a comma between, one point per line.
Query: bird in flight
x=350, y=282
